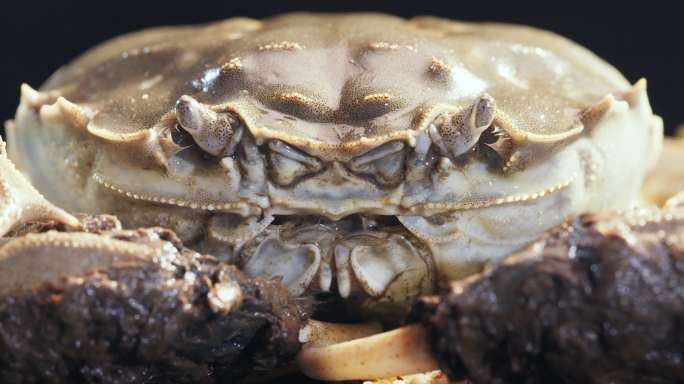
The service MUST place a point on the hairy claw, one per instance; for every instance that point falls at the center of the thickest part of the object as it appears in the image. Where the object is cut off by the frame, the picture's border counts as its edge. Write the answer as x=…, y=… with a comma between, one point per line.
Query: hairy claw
x=108, y=292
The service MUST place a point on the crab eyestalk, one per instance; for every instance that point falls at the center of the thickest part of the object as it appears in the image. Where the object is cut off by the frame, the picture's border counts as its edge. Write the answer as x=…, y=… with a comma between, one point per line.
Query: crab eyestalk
x=457, y=134
x=216, y=133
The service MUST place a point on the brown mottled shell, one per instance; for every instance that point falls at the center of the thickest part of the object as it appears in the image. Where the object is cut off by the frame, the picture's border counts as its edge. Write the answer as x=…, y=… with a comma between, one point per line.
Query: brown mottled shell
x=338, y=82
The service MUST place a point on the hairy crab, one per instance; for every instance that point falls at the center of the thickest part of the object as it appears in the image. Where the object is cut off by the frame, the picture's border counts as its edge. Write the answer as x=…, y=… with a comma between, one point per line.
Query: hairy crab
x=364, y=156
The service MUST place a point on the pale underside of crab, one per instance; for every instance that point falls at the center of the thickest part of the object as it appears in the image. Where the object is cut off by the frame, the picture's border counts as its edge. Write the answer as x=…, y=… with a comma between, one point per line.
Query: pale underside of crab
x=364, y=155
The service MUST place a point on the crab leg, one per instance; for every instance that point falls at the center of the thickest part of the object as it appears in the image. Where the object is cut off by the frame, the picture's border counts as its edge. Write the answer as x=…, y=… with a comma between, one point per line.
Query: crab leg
x=319, y=333
x=397, y=352
x=599, y=300
x=20, y=202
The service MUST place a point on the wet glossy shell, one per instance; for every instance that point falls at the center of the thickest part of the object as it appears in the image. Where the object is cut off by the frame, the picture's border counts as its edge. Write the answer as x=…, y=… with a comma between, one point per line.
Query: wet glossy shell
x=338, y=81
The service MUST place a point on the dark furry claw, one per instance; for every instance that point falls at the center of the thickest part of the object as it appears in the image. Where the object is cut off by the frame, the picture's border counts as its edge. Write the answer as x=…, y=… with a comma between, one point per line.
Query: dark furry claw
x=600, y=302
x=166, y=316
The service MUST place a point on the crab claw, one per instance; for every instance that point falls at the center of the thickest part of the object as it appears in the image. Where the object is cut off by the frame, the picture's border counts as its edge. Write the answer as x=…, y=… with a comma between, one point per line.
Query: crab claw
x=20, y=202
x=457, y=134
x=136, y=306
x=216, y=133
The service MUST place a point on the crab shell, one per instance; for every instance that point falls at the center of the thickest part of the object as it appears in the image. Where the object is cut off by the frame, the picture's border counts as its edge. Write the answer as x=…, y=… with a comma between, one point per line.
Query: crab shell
x=327, y=122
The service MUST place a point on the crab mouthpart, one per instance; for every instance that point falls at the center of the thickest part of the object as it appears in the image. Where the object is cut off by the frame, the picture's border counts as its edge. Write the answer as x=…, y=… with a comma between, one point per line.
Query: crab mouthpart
x=364, y=259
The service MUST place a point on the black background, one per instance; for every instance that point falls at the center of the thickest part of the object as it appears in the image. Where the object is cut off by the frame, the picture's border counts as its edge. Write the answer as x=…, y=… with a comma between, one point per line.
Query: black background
x=643, y=40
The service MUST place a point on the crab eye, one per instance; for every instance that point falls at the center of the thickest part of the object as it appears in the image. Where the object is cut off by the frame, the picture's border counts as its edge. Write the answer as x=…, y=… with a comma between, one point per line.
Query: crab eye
x=216, y=133
x=383, y=165
x=181, y=137
x=494, y=147
x=287, y=165
x=457, y=134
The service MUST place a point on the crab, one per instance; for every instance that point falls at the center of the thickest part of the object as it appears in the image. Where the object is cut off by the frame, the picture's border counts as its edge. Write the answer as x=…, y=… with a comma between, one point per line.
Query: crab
x=362, y=156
